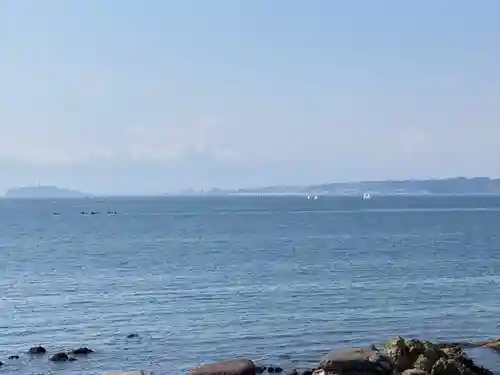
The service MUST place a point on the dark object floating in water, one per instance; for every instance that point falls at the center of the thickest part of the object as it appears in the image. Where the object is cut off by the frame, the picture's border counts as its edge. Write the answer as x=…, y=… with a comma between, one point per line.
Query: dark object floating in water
x=94, y=213
x=132, y=336
x=37, y=350
x=111, y=212
x=55, y=213
x=59, y=357
x=14, y=357
x=82, y=351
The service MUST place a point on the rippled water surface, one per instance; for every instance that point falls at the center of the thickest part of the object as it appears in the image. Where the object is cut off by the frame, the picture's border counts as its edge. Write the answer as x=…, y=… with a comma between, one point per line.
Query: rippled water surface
x=281, y=279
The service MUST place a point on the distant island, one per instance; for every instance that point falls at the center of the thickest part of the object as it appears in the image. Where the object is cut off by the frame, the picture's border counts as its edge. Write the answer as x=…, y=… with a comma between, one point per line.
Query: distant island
x=30, y=192
x=458, y=185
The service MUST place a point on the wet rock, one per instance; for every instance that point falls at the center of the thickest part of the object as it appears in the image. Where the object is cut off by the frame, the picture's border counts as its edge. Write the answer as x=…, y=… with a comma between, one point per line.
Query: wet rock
x=278, y=370
x=307, y=372
x=357, y=360
x=14, y=357
x=232, y=367
x=260, y=369
x=37, y=350
x=414, y=371
x=132, y=336
x=448, y=367
x=457, y=354
x=82, y=351
x=59, y=357
x=270, y=369
x=293, y=372
x=429, y=355
x=1, y=364
x=491, y=344
x=424, y=363
x=72, y=359
x=399, y=351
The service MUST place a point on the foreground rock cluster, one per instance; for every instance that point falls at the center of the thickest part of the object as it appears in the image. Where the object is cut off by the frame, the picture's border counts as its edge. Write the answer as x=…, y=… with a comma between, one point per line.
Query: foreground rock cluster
x=397, y=357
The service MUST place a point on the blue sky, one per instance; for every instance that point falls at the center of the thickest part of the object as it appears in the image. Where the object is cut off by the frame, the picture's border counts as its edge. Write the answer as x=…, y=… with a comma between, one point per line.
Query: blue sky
x=144, y=97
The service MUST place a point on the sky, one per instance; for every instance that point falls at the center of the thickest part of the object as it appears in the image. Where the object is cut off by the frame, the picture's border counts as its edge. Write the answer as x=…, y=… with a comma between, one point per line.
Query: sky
x=145, y=97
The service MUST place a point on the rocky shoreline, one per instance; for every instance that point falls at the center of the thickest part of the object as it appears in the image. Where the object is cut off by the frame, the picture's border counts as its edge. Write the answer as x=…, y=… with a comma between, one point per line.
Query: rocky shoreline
x=397, y=357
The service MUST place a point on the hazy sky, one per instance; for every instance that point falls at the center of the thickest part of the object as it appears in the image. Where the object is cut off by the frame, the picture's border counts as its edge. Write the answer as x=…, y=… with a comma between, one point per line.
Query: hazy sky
x=148, y=96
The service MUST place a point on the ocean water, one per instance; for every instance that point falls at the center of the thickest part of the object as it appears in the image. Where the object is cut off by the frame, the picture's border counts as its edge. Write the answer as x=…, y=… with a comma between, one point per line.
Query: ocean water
x=281, y=280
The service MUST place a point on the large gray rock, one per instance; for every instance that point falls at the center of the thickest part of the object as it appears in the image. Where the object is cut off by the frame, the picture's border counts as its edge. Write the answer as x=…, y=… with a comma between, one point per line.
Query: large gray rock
x=414, y=371
x=357, y=360
x=232, y=367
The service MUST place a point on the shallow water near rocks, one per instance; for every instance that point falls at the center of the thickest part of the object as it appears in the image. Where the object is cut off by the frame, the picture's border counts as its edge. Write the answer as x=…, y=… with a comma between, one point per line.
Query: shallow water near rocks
x=281, y=280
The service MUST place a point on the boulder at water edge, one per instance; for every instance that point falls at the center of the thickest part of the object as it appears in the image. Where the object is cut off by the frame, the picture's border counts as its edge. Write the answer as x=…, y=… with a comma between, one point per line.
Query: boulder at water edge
x=37, y=350
x=82, y=351
x=59, y=357
x=414, y=357
x=491, y=344
x=367, y=361
x=233, y=367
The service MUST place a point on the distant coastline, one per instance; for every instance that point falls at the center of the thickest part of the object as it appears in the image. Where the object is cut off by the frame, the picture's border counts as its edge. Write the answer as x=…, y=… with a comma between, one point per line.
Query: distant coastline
x=42, y=192
x=448, y=186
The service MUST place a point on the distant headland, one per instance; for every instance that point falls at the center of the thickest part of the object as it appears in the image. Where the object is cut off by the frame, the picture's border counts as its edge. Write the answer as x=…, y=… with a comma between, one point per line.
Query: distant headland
x=31, y=192
x=458, y=185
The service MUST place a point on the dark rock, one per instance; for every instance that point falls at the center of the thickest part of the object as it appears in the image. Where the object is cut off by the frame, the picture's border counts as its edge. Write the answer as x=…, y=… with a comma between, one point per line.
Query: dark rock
x=293, y=372
x=37, y=350
x=402, y=356
x=132, y=336
x=14, y=357
x=1, y=364
x=72, y=359
x=270, y=370
x=232, y=367
x=260, y=369
x=278, y=370
x=307, y=372
x=82, y=351
x=59, y=357
x=448, y=367
x=357, y=360
x=458, y=355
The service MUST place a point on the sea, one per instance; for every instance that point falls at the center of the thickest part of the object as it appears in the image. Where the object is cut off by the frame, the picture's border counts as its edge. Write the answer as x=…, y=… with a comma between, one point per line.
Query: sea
x=281, y=280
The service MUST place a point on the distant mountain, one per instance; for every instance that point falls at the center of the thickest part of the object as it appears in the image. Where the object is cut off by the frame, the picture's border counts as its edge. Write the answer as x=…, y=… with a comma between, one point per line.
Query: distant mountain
x=458, y=185
x=43, y=192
